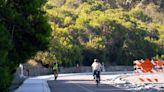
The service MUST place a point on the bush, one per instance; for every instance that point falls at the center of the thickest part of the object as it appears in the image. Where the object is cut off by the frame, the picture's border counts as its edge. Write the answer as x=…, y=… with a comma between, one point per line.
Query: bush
x=5, y=78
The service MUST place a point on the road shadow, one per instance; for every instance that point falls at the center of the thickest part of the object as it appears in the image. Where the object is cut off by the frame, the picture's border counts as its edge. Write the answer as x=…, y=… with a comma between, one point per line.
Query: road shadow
x=82, y=86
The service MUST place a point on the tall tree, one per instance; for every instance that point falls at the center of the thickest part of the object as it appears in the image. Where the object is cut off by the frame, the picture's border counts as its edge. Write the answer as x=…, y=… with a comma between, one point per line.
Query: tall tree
x=26, y=31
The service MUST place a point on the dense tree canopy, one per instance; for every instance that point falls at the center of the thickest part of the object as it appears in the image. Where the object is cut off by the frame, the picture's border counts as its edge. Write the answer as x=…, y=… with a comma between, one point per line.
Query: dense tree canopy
x=115, y=34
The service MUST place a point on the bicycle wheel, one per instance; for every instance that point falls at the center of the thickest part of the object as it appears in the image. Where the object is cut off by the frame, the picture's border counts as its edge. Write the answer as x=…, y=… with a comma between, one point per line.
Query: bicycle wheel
x=97, y=81
x=55, y=77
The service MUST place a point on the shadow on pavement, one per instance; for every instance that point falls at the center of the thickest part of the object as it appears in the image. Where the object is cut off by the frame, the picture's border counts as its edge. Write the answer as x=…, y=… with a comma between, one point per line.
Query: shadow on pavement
x=82, y=86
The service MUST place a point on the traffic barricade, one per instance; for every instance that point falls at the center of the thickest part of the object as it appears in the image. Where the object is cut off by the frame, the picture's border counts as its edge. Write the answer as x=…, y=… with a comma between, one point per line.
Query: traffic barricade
x=147, y=67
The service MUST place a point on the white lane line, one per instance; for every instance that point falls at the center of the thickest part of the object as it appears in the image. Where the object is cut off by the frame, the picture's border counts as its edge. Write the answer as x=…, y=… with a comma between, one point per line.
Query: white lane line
x=86, y=89
x=111, y=89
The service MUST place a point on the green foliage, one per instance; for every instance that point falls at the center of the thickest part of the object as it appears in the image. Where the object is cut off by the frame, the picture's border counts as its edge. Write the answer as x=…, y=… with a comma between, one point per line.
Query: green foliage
x=24, y=30
x=4, y=46
x=155, y=13
x=46, y=58
x=5, y=76
x=5, y=79
x=88, y=29
x=139, y=14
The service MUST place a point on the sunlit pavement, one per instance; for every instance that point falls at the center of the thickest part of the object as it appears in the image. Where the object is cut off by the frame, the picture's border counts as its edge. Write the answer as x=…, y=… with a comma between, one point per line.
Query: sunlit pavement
x=74, y=82
x=81, y=83
x=34, y=85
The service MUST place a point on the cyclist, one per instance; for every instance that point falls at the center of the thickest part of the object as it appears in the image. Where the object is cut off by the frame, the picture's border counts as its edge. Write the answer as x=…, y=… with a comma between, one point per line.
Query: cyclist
x=55, y=69
x=96, y=67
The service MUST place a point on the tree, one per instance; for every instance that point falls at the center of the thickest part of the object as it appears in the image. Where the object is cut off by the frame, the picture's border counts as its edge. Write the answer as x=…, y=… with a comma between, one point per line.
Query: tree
x=89, y=29
x=25, y=30
x=4, y=50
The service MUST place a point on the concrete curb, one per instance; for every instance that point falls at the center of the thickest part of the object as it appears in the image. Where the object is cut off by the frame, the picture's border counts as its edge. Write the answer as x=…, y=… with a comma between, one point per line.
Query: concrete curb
x=46, y=87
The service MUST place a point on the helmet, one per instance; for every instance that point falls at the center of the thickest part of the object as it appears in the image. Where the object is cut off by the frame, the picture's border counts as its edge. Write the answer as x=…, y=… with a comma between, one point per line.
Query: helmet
x=95, y=60
x=55, y=62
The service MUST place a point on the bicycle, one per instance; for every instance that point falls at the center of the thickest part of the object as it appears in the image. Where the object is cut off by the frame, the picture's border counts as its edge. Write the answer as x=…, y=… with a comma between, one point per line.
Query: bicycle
x=97, y=77
x=55, y=74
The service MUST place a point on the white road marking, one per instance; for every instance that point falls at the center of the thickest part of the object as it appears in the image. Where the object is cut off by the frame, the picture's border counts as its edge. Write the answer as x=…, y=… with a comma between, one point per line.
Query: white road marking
x=110, y=89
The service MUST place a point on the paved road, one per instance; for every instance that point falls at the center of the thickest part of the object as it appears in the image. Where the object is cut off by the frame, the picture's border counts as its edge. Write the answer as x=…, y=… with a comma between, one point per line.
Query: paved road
x=80, y=83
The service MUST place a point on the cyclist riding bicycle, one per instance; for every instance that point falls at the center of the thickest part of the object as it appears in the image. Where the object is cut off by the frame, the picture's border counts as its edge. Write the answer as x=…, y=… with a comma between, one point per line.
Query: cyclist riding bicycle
x=96, y=67
x=55, y=69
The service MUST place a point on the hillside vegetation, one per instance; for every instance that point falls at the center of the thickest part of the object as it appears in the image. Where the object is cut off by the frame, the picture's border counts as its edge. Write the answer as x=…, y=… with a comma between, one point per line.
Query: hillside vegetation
x=114, y=31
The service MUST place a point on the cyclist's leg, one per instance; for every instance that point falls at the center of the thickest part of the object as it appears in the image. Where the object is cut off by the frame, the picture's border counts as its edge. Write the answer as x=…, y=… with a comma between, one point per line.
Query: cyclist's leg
x=99, y=75
x=54, y=73
x=94, y=73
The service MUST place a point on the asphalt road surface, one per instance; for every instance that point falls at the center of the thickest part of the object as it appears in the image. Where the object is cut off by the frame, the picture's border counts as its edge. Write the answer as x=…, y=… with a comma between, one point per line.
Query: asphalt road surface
x=80, y=83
